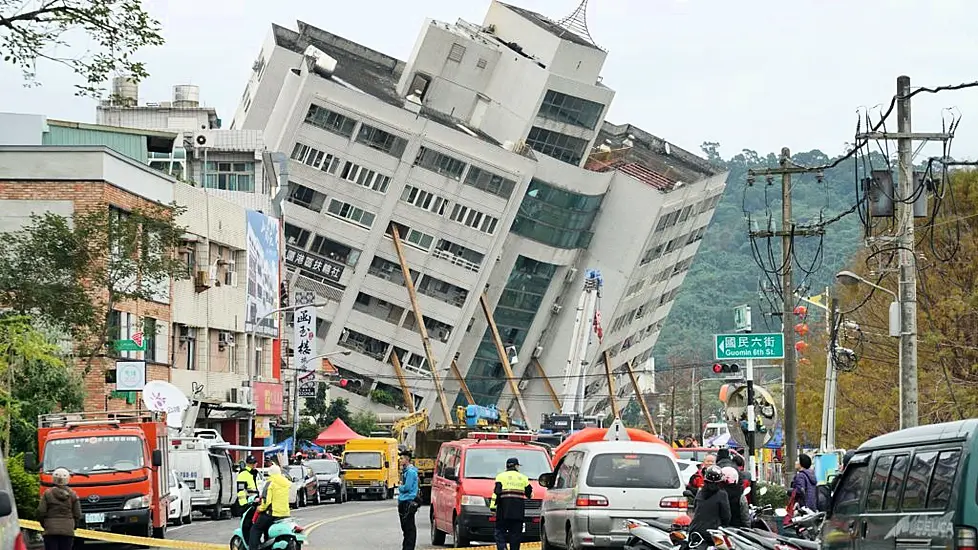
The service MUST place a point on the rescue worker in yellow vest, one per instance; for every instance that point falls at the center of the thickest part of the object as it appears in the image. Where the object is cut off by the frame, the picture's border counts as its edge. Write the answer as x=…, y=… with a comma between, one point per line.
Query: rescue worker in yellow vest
x=508, y=503
x=246, y=484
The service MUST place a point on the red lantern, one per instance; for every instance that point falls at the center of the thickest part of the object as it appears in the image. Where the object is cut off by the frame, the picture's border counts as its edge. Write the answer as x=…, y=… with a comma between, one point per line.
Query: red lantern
x=801, y=311
x=801, y=346
x=801, y=329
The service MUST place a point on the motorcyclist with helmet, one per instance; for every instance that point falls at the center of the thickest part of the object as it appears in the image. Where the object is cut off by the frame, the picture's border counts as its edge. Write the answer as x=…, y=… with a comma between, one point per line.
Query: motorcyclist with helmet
x=739, y=509
x=712, y=509
x=247, y=484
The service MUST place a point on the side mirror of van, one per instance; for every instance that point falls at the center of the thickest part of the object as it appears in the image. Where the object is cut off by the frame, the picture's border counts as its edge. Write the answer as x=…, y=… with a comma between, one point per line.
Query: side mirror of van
x=387, y=464
x=6, y=504
x=547, y=480
x=30, y=462
x=157, y=458
x=450, y=473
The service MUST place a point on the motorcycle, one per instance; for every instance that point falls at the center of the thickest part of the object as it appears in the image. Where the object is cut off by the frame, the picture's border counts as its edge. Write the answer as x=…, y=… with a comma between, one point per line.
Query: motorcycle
x=806, y=523
x=284, y=534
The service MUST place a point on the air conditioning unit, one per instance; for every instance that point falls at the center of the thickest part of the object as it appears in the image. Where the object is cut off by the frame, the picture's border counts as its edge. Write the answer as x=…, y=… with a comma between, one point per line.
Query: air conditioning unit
x=537, y=352
x=186, y=334
x=241, y=396
x=555, y=309
x=202, y=280
x=571, y=275
x=203, y=139
x=523, y=384
x=225, y=338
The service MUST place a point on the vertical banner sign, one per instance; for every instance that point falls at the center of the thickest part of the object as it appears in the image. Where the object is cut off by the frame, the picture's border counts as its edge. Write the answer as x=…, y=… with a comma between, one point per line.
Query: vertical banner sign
x=305, y=330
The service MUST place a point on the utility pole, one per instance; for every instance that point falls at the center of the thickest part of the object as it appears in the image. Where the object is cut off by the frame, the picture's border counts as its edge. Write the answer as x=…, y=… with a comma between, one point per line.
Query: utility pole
x=905, y=189
x=788, y=232
x=672, y=420
x=827, y=442
x=907, y=258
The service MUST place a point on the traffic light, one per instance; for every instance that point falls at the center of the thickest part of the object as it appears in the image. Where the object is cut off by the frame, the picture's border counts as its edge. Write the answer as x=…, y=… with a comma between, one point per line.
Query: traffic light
x=726, y=368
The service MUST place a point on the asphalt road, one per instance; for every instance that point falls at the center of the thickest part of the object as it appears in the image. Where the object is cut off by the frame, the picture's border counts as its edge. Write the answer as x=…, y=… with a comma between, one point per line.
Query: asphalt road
x=353, y=525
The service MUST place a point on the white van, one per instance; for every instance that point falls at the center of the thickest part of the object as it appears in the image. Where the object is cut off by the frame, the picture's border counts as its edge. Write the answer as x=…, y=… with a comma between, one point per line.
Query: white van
x=597, y=486
x=204, y=464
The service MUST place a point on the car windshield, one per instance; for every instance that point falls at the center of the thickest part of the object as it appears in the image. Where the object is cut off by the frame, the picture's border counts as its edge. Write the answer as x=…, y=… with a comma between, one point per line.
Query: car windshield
x=634, y=471
x=487, y=463
x=325, y=467
x=358, y=460
x=94, y=454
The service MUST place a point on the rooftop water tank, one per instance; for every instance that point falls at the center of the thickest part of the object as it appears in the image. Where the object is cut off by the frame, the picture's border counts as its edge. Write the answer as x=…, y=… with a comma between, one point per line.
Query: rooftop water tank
x=125, y=91
x=186, y=96
x=325, y=64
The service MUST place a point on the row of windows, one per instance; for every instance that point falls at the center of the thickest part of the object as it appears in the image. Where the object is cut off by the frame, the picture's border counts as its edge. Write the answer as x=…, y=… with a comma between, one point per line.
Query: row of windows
x=655, y=252
x=365, y=177
x=439, y=163
x=315, y=158
x=898, y=481
x=351, y=213
x=571, y=110
x=437, y=204
x=330, y=121
x=323, y=246
x=451, y=167
x=474, y=219
x=231, y=176
x=562, y=147
x=351, y=171
x=556, y=217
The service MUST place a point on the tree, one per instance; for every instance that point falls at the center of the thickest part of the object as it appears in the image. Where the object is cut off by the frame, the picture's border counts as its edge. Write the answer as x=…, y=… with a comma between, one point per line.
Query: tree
x=113, y=31
x=318, y=408
x=37, y=381
x=868, y=396
x=338, y=409
x=364, y=422
x=71, y=273
x=307, y=431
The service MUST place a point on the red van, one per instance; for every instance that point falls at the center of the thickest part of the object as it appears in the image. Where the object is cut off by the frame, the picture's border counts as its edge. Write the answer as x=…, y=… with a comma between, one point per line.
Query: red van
x=465, y=473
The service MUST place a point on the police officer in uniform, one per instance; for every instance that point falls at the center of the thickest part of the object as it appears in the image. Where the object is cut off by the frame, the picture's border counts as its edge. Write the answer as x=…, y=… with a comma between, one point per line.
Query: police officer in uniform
x=246, y=483
x=508, y=503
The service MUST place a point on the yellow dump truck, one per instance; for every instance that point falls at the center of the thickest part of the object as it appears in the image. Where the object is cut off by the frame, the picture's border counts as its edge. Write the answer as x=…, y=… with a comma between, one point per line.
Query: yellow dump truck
x=370, y=467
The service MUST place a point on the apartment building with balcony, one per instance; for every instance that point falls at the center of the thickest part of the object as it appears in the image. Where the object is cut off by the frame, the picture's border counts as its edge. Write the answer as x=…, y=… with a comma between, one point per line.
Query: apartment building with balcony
x=510, y=190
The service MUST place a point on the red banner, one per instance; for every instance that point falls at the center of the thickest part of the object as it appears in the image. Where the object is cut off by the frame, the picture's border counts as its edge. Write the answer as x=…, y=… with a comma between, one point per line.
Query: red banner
x=268, y=399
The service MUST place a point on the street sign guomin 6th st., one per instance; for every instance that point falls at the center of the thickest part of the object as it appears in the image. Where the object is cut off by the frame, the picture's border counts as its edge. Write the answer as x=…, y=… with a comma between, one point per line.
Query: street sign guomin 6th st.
x=749, y=346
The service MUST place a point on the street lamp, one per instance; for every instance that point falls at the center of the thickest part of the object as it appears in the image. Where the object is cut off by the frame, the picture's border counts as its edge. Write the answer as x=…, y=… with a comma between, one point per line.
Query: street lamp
x=295, y=393
x=849, y=278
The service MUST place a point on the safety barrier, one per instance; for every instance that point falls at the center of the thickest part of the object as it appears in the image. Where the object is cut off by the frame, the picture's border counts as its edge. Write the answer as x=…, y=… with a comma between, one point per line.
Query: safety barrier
x=129, y=539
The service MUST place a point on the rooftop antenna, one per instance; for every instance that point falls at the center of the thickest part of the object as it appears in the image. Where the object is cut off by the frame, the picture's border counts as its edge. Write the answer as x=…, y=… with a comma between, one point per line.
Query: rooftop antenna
x=576, y=23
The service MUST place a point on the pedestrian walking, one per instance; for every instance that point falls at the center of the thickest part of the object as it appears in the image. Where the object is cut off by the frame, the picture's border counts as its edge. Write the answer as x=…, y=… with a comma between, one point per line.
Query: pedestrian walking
x=407, y=500
x=58, y=512
x=508, y=503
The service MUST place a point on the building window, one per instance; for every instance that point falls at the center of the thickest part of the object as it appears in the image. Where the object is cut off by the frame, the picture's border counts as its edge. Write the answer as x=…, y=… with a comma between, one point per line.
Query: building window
x=419, y=239
x=351, y=213
x=514, y=314
x=425, y=200
x=439, y=163
x=315, y=158
x=330, y=121
x=458, y=255
x=364, y=177
x=419, y=85
x=296, y=235
x=489, y=182
x=562, y=147
x=231, y=176
x=456, y=53
x=381, y=140
x=556, y=217
x=481, y=63
x=335, y=251
x=306, y=197
x=474, y=219
x=570, y=110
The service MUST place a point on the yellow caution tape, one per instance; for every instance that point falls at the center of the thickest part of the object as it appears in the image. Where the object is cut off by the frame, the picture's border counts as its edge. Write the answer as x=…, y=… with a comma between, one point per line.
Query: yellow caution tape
x=129, y=539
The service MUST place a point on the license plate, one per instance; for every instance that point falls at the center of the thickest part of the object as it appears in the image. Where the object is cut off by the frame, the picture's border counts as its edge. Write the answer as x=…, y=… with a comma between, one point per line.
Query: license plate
x=94, y=518
x=361, y=490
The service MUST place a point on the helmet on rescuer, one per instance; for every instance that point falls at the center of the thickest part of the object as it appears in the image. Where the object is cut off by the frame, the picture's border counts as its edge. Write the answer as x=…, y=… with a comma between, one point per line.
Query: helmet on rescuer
x=713, y=474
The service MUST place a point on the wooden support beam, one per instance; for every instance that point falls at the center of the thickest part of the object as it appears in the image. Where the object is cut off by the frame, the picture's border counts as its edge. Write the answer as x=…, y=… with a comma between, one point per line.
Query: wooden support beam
x=546, y=382
x=640, y=398
x=611, y=386
x=461, y=382
x=503, y=358
x=408, y=399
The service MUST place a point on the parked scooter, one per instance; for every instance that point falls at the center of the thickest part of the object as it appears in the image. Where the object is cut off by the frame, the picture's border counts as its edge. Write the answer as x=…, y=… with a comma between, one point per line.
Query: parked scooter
x=284, y=534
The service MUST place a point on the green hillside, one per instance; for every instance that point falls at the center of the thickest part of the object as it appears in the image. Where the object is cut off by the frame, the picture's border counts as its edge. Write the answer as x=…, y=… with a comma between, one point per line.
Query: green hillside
x=725, y=273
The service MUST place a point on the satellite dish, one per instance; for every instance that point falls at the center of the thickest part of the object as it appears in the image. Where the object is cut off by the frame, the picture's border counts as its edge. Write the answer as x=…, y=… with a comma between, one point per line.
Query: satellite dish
x=159, y=396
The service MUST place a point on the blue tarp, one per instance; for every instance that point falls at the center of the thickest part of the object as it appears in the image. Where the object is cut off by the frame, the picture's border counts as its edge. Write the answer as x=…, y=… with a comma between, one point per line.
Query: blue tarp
x=286, y=446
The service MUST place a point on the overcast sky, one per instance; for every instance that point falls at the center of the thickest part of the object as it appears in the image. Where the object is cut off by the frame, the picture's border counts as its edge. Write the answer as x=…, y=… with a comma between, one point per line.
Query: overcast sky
x=759, y=74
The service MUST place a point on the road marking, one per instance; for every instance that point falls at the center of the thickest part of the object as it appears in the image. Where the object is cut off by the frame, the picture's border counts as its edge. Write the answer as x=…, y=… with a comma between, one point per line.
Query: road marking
x=317, y=524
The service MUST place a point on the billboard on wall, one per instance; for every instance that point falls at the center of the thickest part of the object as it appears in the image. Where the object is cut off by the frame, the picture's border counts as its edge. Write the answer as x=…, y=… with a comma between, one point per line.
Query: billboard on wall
x=268, y=399
x=263, y=273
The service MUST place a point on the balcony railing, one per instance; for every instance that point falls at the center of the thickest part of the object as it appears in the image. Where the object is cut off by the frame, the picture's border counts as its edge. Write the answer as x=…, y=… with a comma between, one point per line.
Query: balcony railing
x=452, y=258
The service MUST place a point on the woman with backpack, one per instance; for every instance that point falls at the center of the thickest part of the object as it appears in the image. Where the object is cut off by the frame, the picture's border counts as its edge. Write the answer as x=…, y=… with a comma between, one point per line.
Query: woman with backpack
x=712, y=509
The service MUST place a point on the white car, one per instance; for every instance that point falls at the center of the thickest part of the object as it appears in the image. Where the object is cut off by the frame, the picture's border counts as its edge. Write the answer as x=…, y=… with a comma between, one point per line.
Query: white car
x=181, y=508
x=686, y=469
